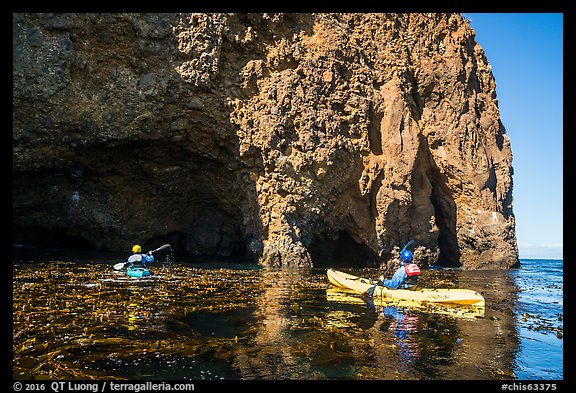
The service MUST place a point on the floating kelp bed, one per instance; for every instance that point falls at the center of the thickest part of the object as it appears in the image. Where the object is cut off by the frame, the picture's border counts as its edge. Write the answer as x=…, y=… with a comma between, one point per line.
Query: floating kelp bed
x=66, y=318
x=77, y=320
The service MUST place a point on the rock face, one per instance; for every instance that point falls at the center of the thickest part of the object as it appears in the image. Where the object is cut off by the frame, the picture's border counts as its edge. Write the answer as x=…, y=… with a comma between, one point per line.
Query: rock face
x=296, y=139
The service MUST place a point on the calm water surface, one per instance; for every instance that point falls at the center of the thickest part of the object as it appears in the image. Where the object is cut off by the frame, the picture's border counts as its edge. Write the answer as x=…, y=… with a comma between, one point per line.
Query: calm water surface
x=80, y=319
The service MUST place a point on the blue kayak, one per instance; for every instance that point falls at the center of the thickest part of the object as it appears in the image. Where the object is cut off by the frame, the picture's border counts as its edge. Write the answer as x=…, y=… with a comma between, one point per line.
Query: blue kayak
x=138, y=271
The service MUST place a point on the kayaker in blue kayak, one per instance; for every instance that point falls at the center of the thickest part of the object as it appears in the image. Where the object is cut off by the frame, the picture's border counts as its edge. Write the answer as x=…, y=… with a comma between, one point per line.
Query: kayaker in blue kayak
x=138, y=259
x=407, y=272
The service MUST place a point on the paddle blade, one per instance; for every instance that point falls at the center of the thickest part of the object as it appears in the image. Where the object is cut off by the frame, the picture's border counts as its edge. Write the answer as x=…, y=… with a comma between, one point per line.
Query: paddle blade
x=407, y=244
x=119, y=266
x=161, y=247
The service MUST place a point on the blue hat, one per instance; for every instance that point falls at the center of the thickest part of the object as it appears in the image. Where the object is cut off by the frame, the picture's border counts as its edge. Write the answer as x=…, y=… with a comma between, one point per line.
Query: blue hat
x=406, y=255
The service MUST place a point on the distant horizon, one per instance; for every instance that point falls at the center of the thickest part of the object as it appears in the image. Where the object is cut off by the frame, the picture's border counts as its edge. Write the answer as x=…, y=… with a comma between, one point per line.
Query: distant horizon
x=540, y=251
x=540, y=258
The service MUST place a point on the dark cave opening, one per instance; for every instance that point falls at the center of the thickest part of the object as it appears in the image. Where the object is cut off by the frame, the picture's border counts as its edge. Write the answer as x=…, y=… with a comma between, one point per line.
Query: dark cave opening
x=37, y=243
x=180, y=243
x=195, y=196
x=49, y=238
x=445, y=215
x=343, y=251
x=431, y=184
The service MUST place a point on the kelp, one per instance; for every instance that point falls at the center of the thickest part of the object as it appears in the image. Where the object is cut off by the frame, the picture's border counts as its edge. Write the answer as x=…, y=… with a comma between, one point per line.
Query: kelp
x=542, y=324
x=66, y=317
x=85, y=321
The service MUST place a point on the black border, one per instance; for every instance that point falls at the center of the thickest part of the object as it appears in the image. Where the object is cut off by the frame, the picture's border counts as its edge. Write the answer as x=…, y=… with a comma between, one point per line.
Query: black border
x=565, y=7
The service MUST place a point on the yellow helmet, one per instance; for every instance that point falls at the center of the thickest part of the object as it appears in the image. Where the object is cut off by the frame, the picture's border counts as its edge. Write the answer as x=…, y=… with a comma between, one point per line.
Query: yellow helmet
x=136, y=248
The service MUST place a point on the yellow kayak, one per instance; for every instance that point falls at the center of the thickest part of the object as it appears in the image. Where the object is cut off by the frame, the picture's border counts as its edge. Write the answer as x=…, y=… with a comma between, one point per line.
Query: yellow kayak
x=341, y=295
x=448, y=296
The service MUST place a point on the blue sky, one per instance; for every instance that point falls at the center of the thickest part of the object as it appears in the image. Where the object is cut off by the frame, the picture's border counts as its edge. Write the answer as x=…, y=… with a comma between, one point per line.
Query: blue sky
x=526, y=54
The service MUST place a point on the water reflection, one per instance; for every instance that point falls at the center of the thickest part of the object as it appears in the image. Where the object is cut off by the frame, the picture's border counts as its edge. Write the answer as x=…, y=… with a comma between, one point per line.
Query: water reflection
x=83, y=321
x=402, y=326
x=271, y=354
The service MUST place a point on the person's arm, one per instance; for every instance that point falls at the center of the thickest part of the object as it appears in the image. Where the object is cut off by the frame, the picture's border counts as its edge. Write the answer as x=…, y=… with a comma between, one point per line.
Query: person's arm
x=397, y=279
x=393, y=264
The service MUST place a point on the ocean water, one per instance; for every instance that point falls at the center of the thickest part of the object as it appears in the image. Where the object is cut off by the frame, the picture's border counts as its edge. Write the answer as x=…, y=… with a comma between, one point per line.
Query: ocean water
x=539, y=318
x=74, y=317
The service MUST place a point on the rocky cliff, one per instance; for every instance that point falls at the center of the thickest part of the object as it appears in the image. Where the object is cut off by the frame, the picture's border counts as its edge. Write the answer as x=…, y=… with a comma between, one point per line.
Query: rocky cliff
x=295, y=139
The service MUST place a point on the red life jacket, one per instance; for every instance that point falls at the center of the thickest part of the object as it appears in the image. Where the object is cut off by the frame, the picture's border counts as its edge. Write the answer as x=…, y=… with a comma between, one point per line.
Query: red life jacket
x=412, y=270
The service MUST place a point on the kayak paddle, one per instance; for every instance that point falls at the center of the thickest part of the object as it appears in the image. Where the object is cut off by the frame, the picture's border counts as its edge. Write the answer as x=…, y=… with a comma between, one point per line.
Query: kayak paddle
x=370, y=291
x=119, y=266
x=407, y=244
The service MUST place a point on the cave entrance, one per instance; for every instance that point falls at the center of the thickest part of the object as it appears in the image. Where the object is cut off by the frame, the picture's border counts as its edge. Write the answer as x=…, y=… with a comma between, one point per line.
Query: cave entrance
x=445, y=214
x=343, y=251
x=50, y=238
x=430, y=187
x=208, y=246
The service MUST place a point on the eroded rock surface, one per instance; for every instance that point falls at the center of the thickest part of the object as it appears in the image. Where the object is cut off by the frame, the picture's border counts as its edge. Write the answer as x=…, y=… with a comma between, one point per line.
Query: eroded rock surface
x=296, y=139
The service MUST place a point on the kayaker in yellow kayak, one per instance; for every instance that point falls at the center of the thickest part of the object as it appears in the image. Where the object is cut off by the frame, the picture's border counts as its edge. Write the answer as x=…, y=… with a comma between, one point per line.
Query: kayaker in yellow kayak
x=407, y=272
